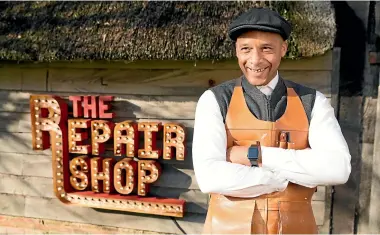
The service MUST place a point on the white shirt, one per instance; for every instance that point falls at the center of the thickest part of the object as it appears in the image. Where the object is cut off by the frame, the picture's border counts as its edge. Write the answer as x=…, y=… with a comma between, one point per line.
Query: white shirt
x=327, y=162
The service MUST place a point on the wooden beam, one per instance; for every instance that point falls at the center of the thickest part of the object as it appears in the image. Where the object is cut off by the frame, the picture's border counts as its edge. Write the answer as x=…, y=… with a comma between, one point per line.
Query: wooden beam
x=165, y=82
x=322, y=62
x=25, y=225
x=59, y=211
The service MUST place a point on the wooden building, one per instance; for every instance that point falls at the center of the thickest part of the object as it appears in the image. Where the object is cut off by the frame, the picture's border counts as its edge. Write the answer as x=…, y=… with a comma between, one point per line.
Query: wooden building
x=156, y=59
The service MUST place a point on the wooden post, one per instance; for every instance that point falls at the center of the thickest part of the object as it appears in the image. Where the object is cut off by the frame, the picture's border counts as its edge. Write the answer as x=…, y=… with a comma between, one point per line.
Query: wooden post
x=368, y=149
x=374, y=199
x=335, y=80
x=352, y=22
x=366, y=210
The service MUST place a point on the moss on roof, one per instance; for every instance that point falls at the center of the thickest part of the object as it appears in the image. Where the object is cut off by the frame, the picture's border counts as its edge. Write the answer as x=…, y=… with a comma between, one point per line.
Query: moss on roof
x=75, y=31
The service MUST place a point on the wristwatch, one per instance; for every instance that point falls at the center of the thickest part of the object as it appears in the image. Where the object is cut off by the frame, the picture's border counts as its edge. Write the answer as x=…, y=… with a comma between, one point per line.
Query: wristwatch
x=254, y=154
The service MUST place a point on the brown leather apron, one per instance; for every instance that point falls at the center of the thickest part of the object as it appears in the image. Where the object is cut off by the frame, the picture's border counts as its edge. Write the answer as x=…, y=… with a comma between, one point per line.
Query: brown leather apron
x=287, y=212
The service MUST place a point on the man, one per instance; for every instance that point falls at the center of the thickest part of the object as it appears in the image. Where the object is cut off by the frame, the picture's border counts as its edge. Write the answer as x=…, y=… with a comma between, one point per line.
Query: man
x=263, y=144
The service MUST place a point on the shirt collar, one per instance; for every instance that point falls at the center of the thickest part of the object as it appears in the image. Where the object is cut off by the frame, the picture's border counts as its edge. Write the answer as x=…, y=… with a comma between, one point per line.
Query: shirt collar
x=271, y=85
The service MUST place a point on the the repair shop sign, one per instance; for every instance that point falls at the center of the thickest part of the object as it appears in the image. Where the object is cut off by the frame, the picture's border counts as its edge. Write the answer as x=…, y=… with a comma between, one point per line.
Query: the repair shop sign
x=100, y=163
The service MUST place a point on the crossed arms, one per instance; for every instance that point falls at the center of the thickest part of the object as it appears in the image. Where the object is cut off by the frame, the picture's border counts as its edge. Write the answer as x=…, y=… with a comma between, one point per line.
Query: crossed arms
x=327, y=162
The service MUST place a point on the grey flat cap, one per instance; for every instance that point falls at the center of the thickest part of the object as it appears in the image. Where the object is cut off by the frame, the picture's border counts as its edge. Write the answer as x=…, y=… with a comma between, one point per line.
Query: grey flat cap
x=262, y=19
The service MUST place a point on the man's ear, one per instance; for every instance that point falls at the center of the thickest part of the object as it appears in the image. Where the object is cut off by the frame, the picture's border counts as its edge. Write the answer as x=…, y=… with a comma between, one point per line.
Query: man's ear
x=284, y=48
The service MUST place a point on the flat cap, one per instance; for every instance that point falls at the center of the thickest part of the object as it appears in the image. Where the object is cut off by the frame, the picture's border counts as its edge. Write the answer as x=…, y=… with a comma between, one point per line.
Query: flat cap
x=262, y=19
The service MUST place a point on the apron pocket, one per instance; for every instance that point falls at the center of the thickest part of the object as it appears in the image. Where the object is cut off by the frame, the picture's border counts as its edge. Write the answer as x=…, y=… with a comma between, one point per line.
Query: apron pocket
x=296, y=218
x=233, y=216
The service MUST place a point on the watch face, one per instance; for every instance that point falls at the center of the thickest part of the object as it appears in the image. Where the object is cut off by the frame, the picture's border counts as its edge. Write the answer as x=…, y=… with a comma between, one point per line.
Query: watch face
x=253, y=152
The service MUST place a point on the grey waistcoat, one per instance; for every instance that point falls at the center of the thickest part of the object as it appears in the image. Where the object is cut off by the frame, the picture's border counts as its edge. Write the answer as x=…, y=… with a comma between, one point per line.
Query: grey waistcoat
x=263, y=108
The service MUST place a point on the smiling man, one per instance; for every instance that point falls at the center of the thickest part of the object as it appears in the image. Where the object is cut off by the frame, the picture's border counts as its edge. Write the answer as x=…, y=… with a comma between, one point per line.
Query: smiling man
x=263, y=144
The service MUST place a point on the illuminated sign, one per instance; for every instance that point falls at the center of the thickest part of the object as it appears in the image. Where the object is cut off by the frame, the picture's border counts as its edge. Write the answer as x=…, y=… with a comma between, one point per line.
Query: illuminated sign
x=78, y=139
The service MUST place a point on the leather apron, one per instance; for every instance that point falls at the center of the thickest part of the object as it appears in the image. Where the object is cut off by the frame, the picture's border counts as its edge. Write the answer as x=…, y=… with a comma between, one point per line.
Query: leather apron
x=286, y=212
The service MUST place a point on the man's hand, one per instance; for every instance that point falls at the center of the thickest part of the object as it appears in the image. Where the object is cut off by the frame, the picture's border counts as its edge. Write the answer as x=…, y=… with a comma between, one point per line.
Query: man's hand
x=238, y=154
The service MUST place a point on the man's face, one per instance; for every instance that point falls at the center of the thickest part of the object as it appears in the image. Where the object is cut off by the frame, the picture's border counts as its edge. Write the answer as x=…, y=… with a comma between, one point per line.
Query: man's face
x=259, y=55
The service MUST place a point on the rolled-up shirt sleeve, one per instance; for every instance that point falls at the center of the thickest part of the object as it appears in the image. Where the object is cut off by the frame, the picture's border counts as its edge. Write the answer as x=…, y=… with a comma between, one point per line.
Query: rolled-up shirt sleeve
x=326, y=162
x=213, y=173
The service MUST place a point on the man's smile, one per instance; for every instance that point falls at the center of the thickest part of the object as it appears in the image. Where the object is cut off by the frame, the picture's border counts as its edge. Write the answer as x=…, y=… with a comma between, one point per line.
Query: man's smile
x=257, y=70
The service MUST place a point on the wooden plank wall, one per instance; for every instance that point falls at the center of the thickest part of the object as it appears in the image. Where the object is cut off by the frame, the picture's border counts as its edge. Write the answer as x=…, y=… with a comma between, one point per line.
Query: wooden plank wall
x=142, y=93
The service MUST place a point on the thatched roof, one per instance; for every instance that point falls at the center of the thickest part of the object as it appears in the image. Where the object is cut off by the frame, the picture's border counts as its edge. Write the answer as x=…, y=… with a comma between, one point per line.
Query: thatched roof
x=52, y=31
